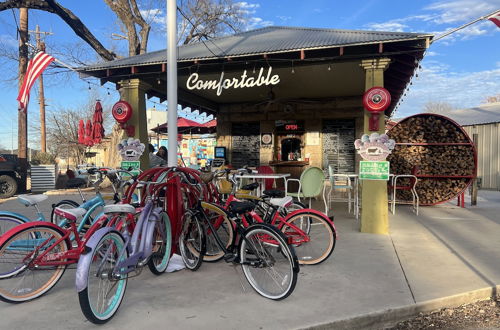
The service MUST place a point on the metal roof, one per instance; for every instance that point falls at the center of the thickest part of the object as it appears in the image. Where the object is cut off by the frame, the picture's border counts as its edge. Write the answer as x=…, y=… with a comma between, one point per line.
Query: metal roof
x=482, y=114
x=273, y=39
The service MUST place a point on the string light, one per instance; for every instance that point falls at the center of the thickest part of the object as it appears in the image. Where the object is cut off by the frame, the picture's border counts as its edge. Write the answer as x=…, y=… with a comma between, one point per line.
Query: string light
x=329, y=67
x=293, y=70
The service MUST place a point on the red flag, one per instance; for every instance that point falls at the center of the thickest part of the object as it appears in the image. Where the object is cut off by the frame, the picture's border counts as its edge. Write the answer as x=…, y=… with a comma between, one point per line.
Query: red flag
x=35, y=68
x=495, y=18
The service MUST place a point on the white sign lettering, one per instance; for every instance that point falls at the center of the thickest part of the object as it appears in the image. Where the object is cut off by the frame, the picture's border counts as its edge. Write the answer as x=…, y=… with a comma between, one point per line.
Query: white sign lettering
x=194, y=81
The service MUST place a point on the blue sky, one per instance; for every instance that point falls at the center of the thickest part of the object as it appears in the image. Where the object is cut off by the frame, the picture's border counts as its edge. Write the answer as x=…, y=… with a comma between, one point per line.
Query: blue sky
x=462, y=69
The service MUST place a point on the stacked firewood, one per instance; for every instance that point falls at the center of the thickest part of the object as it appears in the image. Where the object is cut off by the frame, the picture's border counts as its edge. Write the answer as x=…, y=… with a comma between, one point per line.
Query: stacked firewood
x=435, y=160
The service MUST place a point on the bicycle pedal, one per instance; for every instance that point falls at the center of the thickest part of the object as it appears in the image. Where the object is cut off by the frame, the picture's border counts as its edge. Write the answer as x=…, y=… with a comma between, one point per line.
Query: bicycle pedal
x=230, y=257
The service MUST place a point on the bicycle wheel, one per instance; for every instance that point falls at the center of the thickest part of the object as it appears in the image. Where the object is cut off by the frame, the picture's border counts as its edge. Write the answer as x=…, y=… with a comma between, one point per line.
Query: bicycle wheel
x=8, y=222
x=312, y=236
x=192, y=243
x=269, y=264
x=104, y=293
x=162, y=245
x=224, y=230
x=22, y=279
x=64, y=204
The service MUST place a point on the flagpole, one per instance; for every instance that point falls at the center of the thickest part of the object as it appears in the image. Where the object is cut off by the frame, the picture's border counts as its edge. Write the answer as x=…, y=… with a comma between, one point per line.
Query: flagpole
x=464, y=26
x=172, y=81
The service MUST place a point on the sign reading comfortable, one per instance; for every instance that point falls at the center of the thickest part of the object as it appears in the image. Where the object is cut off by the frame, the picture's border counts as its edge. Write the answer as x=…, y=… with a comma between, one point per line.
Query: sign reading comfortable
x=244, y=81
x=374, y=170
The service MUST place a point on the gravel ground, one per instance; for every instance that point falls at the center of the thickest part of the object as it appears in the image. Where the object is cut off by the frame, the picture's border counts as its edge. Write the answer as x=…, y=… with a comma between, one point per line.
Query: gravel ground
x=479, y=315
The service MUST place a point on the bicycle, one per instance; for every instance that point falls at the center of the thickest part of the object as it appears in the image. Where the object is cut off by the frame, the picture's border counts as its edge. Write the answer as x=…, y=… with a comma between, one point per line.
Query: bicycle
x=102, y=274
x=312, y=234
x=268, y=262
x=34, y=255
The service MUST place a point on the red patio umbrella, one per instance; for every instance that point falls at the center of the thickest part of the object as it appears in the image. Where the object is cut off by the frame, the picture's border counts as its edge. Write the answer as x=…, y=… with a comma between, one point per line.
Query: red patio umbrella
x=81, y=132
x=88, y=134
x=98, y=130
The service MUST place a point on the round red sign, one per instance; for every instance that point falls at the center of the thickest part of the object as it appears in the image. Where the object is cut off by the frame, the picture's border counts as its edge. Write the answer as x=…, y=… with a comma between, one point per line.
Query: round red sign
x=376, y=99
x=122, y=111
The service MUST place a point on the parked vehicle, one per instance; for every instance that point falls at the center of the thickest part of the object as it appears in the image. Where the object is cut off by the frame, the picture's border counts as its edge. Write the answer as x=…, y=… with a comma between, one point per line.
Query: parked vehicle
x=9, y=175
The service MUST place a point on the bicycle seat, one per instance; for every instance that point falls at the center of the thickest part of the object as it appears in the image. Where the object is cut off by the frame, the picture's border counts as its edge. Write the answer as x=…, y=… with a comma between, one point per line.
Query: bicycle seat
x=275, y=193
x=30, y=200
x=75, y=183
x=206, y=177
x=119, y=208
x=70, y=214
x=241, y=207
x=281, y=202
x=250, y=186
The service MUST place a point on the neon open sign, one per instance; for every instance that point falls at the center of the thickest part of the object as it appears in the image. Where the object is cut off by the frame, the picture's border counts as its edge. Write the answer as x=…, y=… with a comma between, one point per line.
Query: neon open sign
x=293, y=127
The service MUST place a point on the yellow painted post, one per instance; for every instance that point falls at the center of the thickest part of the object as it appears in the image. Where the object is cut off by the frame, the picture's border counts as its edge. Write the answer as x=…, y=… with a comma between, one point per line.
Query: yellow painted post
x=374, y=204
x=133, y=92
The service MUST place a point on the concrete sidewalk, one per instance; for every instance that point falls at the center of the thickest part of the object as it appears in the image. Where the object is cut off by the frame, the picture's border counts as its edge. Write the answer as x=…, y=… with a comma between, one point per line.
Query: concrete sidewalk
x=443, y=257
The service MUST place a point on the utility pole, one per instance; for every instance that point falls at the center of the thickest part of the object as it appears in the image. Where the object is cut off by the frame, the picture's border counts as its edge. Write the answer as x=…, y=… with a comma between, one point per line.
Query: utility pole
x=40, y=46
x=22, y=130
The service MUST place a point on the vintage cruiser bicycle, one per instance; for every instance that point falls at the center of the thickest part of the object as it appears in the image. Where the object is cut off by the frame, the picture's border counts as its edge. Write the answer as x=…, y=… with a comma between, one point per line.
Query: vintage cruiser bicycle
x=268, y=262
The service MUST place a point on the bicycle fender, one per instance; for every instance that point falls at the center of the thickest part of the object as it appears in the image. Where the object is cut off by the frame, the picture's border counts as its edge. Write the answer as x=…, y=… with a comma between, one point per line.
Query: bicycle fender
x=8, y=234
x=318, y=213
x=82, y=269
x=15, y=215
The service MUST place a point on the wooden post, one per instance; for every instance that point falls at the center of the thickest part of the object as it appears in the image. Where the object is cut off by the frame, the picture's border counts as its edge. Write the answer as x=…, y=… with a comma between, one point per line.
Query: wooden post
x=374, y=203
x=473, y=195
x=40, y=46
x=22, y=114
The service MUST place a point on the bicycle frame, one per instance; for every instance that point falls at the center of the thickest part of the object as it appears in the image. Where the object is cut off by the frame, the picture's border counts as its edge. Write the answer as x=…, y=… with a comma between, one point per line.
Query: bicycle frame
x=140, y=244
x=46, y=258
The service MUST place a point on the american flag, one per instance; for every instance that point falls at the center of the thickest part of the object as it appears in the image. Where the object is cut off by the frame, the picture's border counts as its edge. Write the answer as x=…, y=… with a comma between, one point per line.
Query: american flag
x=495, y=18
x=35, y=68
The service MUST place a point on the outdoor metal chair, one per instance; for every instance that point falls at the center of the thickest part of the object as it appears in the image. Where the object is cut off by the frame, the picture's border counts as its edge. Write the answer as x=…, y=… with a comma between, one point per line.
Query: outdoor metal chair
x=311, y=184
x=341, y=182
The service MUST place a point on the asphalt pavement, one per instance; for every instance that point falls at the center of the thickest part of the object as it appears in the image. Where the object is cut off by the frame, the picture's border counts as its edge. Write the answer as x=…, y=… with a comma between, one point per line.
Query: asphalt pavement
x=443, y=257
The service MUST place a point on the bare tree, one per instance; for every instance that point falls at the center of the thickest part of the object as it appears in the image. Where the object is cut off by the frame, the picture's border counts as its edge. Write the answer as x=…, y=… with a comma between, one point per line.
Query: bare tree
x=438, y=107
x=207, y=19
x=493, y=99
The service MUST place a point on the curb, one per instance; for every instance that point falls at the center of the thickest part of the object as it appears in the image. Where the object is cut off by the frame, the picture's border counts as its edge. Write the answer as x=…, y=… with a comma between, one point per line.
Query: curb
x=390, y=317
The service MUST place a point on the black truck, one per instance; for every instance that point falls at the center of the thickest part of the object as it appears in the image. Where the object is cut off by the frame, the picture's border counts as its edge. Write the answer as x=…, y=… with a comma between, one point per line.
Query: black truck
x=9, y=175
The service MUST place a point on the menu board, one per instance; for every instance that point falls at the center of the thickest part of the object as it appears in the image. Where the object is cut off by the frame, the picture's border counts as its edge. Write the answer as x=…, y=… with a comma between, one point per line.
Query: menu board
x=338, y=145
x=245, y=144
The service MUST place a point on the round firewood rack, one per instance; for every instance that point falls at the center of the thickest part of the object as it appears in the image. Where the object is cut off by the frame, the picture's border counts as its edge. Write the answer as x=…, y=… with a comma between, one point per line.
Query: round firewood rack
x=438, y=152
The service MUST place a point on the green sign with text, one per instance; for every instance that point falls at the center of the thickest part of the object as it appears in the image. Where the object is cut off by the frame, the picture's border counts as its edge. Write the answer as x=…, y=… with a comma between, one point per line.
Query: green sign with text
x=133, y=165
x=373, y=170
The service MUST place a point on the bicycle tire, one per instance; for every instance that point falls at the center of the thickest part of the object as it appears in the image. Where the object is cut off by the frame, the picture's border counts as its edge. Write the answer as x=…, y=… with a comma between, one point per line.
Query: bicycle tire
x=65, y=204
x=20, y=282
x=105, y=254
x=162, y=245
x=225, y=231
x=269, y=244
x=192, y=242
x=8, y=221
x=320, y=241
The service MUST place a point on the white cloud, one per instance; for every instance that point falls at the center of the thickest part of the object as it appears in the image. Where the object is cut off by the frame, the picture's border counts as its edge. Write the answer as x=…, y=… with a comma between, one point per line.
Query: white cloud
x=460, y=89
x=257, y=22
x=154, y=15
x=247, y=8
x=388, y=26
x=284, y=18
x=457, y=11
